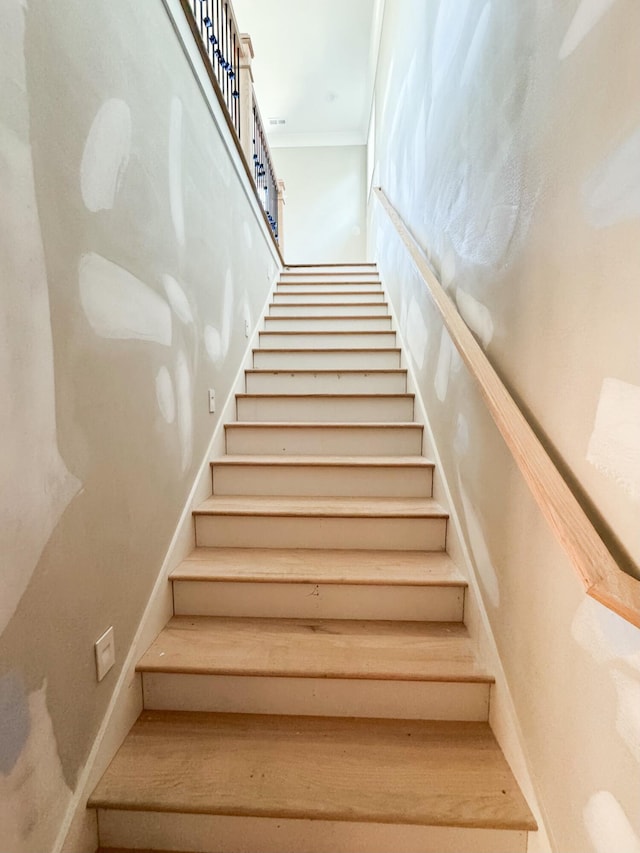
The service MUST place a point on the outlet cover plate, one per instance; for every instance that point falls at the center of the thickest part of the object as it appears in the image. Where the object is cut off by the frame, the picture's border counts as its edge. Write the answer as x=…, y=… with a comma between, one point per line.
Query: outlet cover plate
x=105, y=653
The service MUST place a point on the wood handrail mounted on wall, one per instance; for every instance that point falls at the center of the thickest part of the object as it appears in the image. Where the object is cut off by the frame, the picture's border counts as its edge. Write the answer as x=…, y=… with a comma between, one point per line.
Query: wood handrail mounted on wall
x=601, y=576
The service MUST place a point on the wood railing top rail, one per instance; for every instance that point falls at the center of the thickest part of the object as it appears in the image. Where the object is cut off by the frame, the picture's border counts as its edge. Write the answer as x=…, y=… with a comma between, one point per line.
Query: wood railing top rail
x=602, y=577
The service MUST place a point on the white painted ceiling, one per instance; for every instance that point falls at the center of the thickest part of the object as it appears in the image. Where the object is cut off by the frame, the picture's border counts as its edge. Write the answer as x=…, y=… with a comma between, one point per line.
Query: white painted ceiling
x=314, y=67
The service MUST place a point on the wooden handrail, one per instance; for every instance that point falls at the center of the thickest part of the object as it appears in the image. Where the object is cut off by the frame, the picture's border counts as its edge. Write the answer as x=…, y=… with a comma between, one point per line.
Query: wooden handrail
x=600, y=574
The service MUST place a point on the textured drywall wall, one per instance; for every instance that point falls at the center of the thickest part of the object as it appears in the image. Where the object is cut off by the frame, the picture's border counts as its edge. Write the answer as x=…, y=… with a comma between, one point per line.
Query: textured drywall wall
x=325, y=210
x=130, y=258
x=507, y=137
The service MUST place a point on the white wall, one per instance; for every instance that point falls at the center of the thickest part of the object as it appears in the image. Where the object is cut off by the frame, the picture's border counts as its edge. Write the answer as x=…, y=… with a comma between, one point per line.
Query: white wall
x=325, y=211
x=508, y=137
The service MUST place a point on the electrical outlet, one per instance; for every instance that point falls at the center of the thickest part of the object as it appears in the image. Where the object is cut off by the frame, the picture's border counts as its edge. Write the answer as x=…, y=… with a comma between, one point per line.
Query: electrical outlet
x=212, y=401
x=105, y=653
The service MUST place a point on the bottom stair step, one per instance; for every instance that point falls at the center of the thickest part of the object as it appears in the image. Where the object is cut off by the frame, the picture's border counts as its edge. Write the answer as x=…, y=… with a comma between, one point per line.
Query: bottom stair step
x=181, y=769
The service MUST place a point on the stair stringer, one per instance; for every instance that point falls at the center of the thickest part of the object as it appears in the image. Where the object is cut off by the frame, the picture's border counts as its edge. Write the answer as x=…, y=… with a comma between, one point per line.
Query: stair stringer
x=503, y=717
x=78, y=830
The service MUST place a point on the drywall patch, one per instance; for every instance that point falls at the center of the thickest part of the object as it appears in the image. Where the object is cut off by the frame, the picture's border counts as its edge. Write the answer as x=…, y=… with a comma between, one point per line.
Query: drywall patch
x=27, y=382
x=605, y=635
x=628, y=715
x=587, y=15
x=608, y=826
x=106, y=155
x=461, y=437
x=449, y=30
x=448, y=268
x=448, y=362
x=213, y=345
x=118, y=305
x=165, y=395
x=34, y=795
x=175, y=169
x=476, y=316
x=185, y=409
x=479, y=548
x=14, y=720
x=227, y=314
x=614, y=446
x=416, y=333
x=611, y=193
x=177, y=299
x=477, y=46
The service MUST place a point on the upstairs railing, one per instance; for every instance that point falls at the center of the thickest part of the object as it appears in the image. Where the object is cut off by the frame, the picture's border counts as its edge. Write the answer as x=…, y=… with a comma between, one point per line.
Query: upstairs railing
x=227, y=54
x=599, y=572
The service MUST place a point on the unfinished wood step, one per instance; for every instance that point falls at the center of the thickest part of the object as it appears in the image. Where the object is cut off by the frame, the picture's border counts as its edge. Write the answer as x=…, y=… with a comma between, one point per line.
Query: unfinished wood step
x=346, y=408
x=402, y=585
x=327, y=323
x=382, y=358
x=404, y=524
x=315, y=667
x=339, y=476
x=313, y=297
x=326, y=381
x=329, y=309
x=368, y=773
x=338, y=339
x=324, y=439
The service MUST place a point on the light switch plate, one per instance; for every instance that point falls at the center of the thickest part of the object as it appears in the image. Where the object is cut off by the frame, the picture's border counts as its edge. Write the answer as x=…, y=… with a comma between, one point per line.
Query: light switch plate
x=212, y=401
x=105, y=653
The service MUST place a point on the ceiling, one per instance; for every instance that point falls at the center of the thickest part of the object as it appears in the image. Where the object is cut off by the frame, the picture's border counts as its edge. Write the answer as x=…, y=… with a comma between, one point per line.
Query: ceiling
x=314, y=67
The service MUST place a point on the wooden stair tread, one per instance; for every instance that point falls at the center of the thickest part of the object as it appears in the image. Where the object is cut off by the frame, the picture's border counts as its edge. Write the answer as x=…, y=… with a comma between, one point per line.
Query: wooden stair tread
x=325, y=396
x=385, y=771
x=328, y=331
x=315, y=648
x=324, y=425
x=330, y=507
x=324, y=371
x=327, y=461
x=298, y=565
x=333, y=351
x=328, y=304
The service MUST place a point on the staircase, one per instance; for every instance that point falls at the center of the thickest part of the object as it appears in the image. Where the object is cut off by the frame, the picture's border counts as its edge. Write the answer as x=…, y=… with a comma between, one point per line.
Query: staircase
x=316, y=690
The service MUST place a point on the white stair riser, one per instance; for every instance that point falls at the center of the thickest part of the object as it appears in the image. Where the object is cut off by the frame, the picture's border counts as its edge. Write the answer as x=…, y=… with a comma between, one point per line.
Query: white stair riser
x=336, y=382
x=326, y=409
x=327, y=324
x=378, y=309
x=257, y=531
x=332, y=697
x=300, y=340
x=330, y=269
x=200, y=833
x=330, y=481
x=322, y=278
x=311, y=298
x=328, y=287
x=318, y=601
x=328, y=360
x=324, y=441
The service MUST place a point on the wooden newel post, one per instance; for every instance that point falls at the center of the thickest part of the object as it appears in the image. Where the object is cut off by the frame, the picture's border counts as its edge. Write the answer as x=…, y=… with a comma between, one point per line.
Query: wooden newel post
x=246, y=99
x=281, y=203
